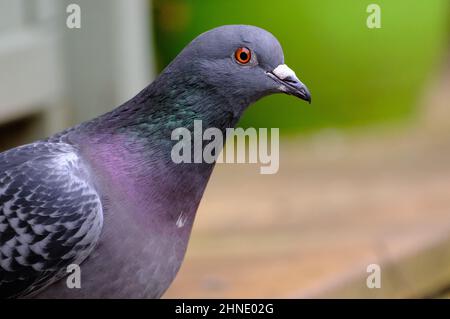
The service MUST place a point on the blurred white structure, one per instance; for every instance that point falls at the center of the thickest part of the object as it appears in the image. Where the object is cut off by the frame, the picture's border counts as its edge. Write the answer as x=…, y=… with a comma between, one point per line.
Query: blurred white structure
x=70, y=75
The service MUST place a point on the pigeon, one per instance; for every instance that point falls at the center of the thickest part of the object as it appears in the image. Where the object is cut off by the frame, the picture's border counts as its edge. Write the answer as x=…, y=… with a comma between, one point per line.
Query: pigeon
x=106, y=196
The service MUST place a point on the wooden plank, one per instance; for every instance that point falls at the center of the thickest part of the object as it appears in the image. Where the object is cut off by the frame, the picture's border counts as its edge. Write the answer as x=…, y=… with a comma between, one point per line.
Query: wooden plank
x=337, y=205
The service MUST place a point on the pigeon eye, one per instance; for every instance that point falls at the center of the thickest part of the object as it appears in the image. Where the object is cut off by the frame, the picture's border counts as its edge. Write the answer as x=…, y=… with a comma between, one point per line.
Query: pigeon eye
x=243, y=55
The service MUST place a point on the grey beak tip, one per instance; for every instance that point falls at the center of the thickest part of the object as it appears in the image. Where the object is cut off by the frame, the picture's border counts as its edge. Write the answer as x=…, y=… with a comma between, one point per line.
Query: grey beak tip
x=304, y=94
x=309, y=99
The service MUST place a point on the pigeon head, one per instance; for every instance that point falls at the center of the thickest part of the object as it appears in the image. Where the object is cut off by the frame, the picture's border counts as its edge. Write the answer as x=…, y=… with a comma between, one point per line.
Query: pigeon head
x=241, y=63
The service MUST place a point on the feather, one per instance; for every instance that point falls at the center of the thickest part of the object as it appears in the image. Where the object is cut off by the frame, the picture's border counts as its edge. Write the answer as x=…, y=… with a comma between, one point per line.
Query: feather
x=50, y=216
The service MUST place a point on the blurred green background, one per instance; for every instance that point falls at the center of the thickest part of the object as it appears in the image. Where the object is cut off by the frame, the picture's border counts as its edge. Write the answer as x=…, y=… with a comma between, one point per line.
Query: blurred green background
x=357, y=76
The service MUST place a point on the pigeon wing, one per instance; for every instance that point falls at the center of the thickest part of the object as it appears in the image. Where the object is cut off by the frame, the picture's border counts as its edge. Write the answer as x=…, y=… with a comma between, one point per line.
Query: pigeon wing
x=50, y=216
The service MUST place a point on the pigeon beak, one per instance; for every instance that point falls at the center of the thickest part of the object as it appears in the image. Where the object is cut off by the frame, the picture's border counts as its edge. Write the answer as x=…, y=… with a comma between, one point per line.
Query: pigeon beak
x=290, y=84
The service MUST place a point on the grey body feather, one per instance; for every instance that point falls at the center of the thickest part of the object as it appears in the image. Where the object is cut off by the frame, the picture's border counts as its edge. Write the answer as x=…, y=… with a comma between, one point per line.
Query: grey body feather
x=50, y=216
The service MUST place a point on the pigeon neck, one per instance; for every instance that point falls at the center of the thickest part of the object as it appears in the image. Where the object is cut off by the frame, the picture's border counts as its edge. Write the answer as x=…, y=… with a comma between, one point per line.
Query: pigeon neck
x=144, y=125
x=168, y=103
x=131, y=148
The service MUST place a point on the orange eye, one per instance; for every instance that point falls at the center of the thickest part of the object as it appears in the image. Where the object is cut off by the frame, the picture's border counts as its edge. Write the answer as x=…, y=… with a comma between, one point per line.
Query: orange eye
x=243, y=55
